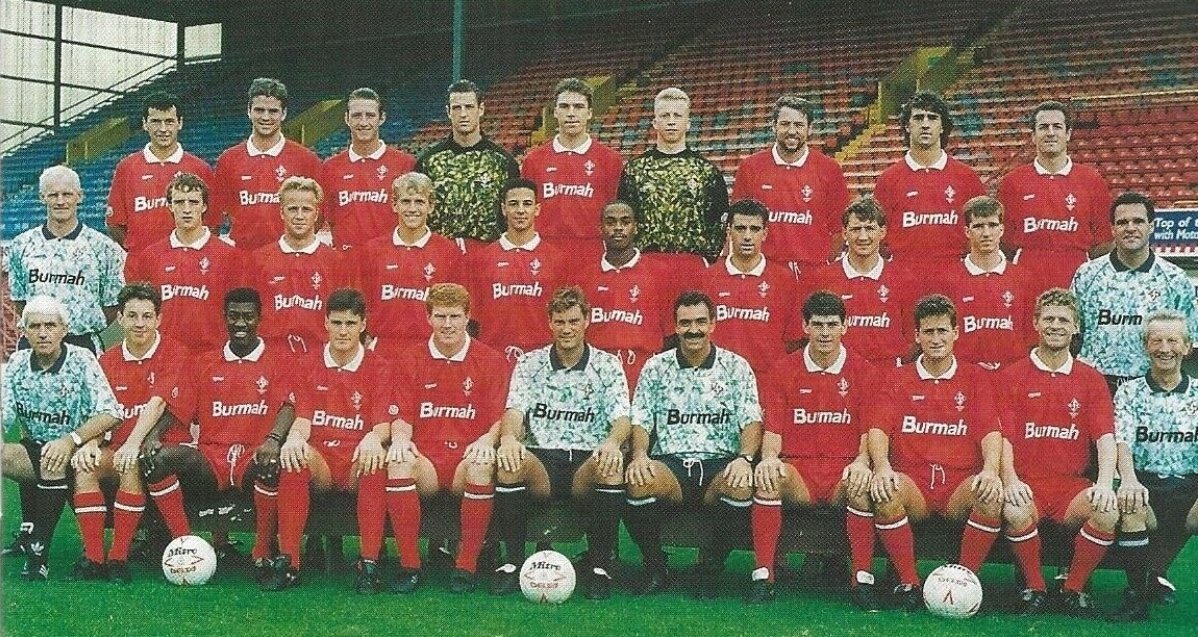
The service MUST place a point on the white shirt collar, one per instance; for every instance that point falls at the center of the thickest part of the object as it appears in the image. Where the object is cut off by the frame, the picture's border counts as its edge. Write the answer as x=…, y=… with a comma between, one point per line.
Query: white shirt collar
x=976, y=270
x=798, y=163
x=1066, y=369
x=174, y=157
x=129, y=357
x=196, y=245
x=419, y=243
x=606, y=266
x=351, y=366
x=733, y=270
x=377, y=154
x=508, y=246
x=874, y=273
x=924, y=374
x=251, y=357
x=457, y=358
x=1041, y=170
x=581, y=150
x=273, y=151
x=939, y=164
x=308, y=249
x=834, y=368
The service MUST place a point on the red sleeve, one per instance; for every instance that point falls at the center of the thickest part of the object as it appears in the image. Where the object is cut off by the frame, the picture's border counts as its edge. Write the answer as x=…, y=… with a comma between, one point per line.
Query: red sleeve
x=1101, y=408
x=327, y=208
x=1100, y=220
x=887, y=410
x=838, y=196
x=773, y=402
x=117, y=200
x=386, y=392
x=202, y=170
x=221, y=188
x=1008, y=391
x=985, y=418
x=739, y=182
x=1013, y=233
x=861, y=405
x=792, y=328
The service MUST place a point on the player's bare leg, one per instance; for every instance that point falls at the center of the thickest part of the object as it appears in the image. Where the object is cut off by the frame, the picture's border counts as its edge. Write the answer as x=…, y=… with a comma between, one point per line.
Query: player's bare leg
x=648, y=488
x=19, y=469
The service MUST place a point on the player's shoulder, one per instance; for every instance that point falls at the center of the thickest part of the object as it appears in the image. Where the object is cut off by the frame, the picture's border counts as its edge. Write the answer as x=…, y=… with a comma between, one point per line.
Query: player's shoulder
x=1022, y=171
x=234, y=153
x=601, y=150
x=483, y=354
x=399, y=156
x=131, y=162
x=731, y=360
x=191, y=161
x=603, y=359
x=299, y=150
x=30, y=236
x=534, y=359
x=336, y=160
x=660, y=362
x=17, y=361
x=539, y=154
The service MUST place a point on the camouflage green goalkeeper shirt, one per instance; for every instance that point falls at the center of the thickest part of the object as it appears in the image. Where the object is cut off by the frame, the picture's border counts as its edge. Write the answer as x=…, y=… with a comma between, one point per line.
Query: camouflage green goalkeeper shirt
x=682, y=200
x=468, y=181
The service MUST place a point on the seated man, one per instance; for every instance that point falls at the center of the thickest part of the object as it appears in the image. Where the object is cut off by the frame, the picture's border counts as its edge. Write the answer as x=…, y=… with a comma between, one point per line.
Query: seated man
x=57, y=397
x=937, y=451
x=241, y=397
x=143, y=369
x=342, y=419
x=696, y=427
x=813, y=451
x=561, y=437
x=451, y=399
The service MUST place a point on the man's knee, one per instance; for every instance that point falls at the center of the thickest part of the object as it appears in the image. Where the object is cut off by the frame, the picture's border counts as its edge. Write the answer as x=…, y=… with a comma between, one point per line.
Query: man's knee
x=1105, y=521
x=479, y=473
x=17, y=464
x=1017, y=517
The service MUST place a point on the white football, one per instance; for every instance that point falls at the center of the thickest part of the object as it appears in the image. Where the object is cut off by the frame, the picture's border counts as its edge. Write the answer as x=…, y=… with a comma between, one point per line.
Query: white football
x=547, y=577
x=952, y=591
x=188, y=561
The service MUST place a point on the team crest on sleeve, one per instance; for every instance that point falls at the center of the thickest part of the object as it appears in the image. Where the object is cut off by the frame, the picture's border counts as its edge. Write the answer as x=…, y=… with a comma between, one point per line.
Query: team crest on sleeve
x=281, y=173
x=316, y=280
x=1075, y=408
x=1070, y=202
x=950, y=194
x=959, y=399
x=468, y=385
x=842, y=387
x=534, y=266
x=382, y=171
x=205, y=265
x=356, y=399
x=262, y=384
x=634, y=294
x=1008, y=298
x=808, y=192
x=763, y=289
x=429, y=271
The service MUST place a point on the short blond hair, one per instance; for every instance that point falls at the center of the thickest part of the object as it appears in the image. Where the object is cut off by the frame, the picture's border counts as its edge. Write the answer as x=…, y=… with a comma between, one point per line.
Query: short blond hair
x=672, y=94
x=414, y=182
x=302, y=184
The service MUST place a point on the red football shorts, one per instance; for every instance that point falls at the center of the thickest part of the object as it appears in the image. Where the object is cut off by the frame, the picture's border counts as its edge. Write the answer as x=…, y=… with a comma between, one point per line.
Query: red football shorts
x=445, y=455
x=228, y=463
x=1053, y=495
x=821, y=475
x=936, y=483
x=338, y=455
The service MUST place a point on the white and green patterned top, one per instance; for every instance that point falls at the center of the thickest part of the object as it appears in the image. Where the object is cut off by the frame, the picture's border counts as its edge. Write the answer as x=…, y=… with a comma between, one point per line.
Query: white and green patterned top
x=1160, y=427
x=83, y=269
x=1114, y=301
x=696, y=412
x=568, y=407
x=50, y=403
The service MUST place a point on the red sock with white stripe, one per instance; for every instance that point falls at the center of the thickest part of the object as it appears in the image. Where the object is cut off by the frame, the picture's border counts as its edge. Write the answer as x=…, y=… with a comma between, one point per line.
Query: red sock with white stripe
x=372, y=514
x=1025, y=545
x=859, y=528
x=90, y=512
x=978, y=538
x=899, y=542
x=126, y=514
x=168, y=497
x=1089, y=547
x=767, y=526
x=266, y=519
x=403, y=507
x=477, y=503
x=294, y=502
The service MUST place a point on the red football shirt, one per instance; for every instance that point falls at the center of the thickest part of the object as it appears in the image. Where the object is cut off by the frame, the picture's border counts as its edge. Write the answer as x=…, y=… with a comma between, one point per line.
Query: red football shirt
x=357, y=193
x=1054, y=418
x=345, y=403
x=135, y=381
x=510, y=294
x=631, y=309
x=756, y=311
x=820, y=413
x=1055, y=218
x=137, y=196
x=994, y=313
x=450, y=402
x=878, y=303
x=247, y=188
x=193, y=280
x=923, y=207
x=939, y=420
x=805, y=199
x=235, y=400
x=295, y=286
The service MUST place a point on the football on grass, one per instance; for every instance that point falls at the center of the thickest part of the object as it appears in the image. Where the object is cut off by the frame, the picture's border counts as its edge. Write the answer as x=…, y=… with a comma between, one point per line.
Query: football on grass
x=547, y=577
x=188, y=561
x=952, y=591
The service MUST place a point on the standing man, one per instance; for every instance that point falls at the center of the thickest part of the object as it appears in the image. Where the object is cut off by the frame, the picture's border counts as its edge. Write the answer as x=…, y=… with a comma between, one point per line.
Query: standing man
x=138, y=212
x=804, y=190
x=248, y=175
x=938, y=451
x=696, y=427
x=1056, y=210
x=576, y=175
x=397, y=269
x=357, y=181
x=69, y=261
x=1116, y=292
x=561, y=438
x=57, y=398
x=680, y=197
x=923, y=193
x=469, y=171
x=754, y=298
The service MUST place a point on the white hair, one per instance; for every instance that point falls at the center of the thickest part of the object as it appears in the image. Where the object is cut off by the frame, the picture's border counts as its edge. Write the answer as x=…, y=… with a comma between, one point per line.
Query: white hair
x=58, y=174
x=672, y=94
x=1167, y=316
x=43, y=304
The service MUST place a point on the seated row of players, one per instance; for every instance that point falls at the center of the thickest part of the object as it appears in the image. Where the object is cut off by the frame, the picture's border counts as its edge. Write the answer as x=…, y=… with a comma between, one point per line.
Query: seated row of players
x=562, y=435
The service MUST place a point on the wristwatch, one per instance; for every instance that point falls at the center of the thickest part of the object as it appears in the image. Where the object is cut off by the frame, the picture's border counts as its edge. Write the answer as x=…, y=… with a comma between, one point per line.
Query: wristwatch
x=746, y=457
x=77, y=439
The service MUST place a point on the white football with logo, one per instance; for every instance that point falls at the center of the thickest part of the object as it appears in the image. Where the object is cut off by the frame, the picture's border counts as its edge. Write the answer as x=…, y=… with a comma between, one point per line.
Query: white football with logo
x=547, y=577
x=952, y=591
x=188, y=561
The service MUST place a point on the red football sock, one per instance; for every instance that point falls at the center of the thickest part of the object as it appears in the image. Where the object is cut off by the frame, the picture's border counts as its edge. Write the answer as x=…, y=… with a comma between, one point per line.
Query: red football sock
x=372, y=514
x=766, y=519
x=90, y=512
x=294, y=503
x=477, y=503
x=899, y=542
x=978, y=539
x=168, y=497
x=1089, y=547
x=1025, y=544
x=126, y=514
x=403, y=507
x=266, y=519
x=859, y=528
